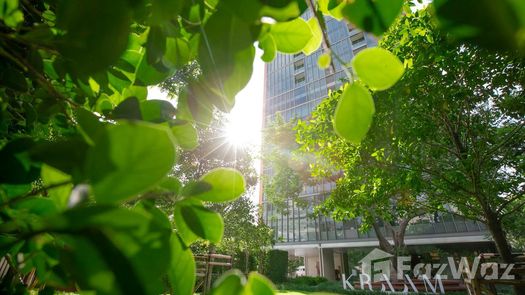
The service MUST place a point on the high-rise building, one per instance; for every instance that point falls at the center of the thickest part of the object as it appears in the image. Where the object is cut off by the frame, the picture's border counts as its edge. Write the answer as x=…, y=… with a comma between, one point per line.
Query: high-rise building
x=294, y=86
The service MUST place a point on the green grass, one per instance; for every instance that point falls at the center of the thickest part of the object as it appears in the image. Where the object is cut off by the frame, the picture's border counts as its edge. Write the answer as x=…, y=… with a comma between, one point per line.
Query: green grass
x=303, y=292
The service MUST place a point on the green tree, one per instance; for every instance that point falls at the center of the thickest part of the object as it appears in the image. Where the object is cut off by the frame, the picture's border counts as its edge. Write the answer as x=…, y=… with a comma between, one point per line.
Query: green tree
x=286, y=180
x=460, y=109
x=369, y=184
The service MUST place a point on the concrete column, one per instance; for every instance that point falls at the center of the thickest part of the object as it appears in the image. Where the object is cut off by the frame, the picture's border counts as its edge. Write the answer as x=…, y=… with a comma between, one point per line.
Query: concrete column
x=328, y=266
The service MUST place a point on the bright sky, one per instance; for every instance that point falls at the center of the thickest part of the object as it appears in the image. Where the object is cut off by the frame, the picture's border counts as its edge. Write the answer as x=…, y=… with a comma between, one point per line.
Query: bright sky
x=245, y=120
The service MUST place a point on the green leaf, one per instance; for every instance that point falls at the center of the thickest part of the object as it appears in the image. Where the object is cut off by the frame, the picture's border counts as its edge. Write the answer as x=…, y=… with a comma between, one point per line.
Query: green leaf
x=492, y=24
x=267, y=44
x=151, y=74
x=89, y=124
x=52, y=176
x=292, y=36
x=258, y=285
x=249, y=11
x=17, y=167
x=226, y=185
x=66, y=155
x=127, y=109
x=230, y=283
x=317, y=37
x=290, y=10
x=90, y=45
x=195, y=187
x=116, y=245
x=372, y=16
x=185, y=135
x=181, y=273
x=354, y=112
x=164, y=10
x=177, y=51
x=148, y=207
x=194, y=221
x=155, y=45
x=118, y=80
x=12, y=77
x=38, y=206
x=190, y=106
x=10, y=13
x=324, y=60
x=139, y=154
x=172, y=185
x=332, y=8
x=226, y=55
x=157, y=111
x=140, y=92
x=378, y=68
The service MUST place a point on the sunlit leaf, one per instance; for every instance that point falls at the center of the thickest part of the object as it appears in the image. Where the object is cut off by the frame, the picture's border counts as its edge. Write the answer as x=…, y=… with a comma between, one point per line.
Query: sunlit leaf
x=139, y=154
x=292, y=36
x=226, y=184
x=317, y=37
x=324, y=60
x=267, y=44
x=185, y=135
x=354, y=112
x=378, y=68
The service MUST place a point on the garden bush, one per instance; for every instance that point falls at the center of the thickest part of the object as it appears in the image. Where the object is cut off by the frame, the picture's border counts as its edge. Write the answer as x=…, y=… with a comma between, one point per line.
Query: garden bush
x=277, y=265
x=307, y=281
x=337, y=287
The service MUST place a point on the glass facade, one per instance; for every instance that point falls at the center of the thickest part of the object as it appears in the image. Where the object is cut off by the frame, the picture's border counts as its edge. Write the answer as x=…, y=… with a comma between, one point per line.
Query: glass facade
x=294, y=86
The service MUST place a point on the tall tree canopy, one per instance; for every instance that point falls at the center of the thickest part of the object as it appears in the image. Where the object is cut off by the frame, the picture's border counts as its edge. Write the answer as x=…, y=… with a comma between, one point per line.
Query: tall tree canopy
x=461, y=110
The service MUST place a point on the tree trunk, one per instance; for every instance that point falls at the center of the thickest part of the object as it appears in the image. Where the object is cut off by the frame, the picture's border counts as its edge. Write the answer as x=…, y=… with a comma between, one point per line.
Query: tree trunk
x=399, y=236
x=500, y=239
x=384, y=244
x=246, y=262
x=502, y=244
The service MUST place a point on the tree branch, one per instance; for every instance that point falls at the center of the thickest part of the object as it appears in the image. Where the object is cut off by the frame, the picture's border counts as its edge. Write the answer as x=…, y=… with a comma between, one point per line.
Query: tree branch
x=22, y=197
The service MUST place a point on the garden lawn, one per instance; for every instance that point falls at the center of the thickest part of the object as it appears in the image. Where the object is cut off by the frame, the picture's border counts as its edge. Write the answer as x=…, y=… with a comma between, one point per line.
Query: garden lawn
x=303, y=292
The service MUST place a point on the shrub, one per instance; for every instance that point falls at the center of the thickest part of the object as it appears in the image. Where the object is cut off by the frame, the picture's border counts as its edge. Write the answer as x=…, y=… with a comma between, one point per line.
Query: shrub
x=307, y=281
x=277, y=265
x=337, y=288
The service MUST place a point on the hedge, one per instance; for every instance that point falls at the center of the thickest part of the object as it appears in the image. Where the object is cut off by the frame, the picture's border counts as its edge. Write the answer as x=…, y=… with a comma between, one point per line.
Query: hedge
x=277, y=265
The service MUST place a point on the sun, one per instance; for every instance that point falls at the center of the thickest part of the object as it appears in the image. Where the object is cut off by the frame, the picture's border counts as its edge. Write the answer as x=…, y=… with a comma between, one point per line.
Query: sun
x=244, y=122
x=239, y=134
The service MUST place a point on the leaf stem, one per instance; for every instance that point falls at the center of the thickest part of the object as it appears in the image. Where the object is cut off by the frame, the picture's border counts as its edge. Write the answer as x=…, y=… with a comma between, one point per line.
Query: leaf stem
x=32, y=193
